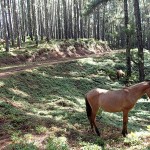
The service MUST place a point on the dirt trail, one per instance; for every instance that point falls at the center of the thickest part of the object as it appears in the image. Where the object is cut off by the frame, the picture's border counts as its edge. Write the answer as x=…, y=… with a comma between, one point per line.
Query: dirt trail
x=4, y=73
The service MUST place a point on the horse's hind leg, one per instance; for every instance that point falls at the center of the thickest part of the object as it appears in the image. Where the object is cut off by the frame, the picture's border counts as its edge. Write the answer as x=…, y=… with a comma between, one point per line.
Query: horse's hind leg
x=90, y=120
x=89, y=112
x=93, y=117
x=125, y=122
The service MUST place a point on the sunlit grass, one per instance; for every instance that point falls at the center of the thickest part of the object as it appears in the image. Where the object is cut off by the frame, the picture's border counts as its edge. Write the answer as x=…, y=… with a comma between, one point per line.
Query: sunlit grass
x=50, y=101
x=18, y=92
x=2, y=84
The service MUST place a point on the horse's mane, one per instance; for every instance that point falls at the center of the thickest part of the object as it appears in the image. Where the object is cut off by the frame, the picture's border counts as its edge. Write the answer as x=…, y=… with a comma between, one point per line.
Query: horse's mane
x=147, y=81
x=136, y=84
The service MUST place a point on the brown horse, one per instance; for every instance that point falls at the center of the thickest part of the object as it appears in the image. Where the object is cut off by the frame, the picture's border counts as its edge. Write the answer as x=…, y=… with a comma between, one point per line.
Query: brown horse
x=120, y=74
x=114, y=101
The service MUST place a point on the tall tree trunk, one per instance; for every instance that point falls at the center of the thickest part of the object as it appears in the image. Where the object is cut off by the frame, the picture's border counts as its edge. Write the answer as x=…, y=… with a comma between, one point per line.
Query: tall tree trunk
x=46, y=21
x=88, y=29
x=75, y=20
x=65, y=19
x=103, y=23
x=17, y=24
x=7, y=23
x=59, y=21
x=35, y=21
x=98, y=24
x=52, y=19
x=23, y=14
x=128, y=55
x=71, y=20
x=78, y=16
x=147, y=30
x=94, y=25
x=81, y=19
x=139, y=40
x=29, y=20
x=41, y=23
x=5, y=32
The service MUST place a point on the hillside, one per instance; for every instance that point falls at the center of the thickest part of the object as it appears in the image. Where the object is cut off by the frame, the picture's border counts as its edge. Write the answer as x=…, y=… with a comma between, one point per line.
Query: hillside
x=44, y=108
x=54, y=50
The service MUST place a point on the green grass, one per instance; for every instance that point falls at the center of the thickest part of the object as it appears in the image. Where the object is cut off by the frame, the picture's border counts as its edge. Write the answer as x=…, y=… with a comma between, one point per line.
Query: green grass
x=50, y=101
x=57, y=143
x=30, y=146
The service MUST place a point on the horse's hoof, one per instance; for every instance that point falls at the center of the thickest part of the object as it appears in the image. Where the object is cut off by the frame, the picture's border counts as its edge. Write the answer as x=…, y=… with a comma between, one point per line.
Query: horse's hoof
x=124, y=133
x=98, y=133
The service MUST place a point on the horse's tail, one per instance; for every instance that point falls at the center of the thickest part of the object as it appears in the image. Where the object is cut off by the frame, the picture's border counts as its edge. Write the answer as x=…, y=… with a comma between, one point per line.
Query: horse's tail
x=89, y=113
x=88, y=108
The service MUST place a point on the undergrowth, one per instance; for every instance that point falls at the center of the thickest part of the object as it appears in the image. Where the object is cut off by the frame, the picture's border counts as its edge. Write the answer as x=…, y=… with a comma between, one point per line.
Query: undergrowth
x=49, y=101
x=54, y=49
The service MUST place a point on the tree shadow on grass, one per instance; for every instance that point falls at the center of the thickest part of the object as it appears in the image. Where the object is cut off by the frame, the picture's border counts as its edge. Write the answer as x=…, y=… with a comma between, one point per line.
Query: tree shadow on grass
x=46, y=91
x=61, y=119
x=14, y=119
x=72, y=124
x=18, y=120
x=59, y=80
x=34, y=87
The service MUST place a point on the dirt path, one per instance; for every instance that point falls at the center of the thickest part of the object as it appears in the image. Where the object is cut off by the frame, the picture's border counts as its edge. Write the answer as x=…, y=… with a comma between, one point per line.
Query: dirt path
x=4, y=73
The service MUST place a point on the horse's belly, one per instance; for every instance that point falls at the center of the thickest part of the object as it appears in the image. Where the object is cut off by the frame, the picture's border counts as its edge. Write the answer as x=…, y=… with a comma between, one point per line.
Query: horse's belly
x=111, y=102
x=111, y=108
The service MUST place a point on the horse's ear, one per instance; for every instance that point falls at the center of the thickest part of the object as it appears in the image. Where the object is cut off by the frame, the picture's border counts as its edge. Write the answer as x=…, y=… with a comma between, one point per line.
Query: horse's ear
x=148, y=82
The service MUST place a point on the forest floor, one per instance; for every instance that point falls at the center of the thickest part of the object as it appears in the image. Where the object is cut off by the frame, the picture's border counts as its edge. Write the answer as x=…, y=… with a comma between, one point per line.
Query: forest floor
x=42, y=104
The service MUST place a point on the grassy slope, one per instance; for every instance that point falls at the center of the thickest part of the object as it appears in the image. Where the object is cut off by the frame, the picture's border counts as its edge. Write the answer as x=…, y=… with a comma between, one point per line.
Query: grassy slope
x=43, y=104
x=55, y=49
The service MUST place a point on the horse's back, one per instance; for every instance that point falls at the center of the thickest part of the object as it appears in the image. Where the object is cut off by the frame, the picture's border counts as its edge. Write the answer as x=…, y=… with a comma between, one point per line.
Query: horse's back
x=95, y=92
x=111, y=101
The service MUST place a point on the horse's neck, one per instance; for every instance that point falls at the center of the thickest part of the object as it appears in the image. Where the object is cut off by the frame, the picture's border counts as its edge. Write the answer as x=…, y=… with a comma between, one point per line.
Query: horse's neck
x=138, y=91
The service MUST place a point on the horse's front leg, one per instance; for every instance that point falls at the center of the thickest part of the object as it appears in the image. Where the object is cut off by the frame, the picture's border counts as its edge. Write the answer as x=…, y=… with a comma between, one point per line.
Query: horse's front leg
x=125, y=122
